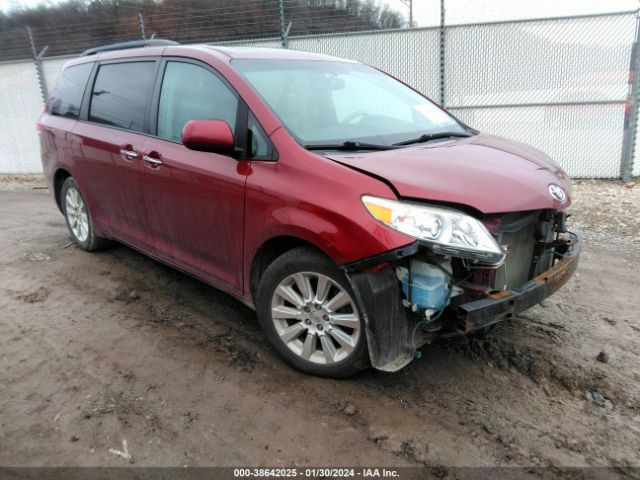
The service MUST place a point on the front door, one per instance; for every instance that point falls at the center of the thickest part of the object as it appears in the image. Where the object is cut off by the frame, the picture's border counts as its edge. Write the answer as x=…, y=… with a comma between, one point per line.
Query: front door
x=194, y=200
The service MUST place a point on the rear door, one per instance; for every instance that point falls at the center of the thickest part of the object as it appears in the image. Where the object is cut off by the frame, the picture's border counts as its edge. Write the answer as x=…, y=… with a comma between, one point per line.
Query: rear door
x=194, y=200
x=112, y=137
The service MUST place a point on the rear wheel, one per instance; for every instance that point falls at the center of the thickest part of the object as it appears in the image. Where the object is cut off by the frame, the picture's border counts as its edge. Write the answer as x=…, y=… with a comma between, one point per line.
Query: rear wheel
x=307, y=310
x=77, y=217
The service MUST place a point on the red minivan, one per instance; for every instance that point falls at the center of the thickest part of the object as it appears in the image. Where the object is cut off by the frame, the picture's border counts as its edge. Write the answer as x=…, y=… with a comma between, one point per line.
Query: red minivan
x=358, y=218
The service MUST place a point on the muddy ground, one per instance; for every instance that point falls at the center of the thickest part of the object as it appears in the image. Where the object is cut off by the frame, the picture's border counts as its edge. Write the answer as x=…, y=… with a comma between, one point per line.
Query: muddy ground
x=98, y=349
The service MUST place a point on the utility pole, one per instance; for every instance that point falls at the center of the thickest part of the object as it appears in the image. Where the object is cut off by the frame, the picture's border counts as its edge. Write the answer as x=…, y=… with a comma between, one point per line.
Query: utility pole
x=409, y=3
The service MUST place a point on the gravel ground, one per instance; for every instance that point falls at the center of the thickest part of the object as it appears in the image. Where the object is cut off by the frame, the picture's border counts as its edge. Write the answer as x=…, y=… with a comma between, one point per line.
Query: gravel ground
x=607, y=212
x=99, y=349
x=22, y=182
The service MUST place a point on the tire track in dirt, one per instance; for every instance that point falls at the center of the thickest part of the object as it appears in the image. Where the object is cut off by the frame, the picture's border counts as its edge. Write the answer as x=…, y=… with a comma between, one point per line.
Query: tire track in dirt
x=116, y=327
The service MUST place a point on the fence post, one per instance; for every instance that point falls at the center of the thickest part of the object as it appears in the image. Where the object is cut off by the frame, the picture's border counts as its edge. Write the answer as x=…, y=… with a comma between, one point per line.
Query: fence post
x=37, y=60
x=410, y=13
x=631, y=113
x=141, y=23
x=442, y=64
x=284, y=32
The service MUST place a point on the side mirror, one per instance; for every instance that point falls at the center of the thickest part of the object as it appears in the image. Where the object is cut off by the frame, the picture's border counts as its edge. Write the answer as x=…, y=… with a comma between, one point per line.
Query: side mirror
x=208, y=136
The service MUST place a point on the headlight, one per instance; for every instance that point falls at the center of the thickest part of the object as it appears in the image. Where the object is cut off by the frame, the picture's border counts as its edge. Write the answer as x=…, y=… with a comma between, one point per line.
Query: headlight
x=447, y=232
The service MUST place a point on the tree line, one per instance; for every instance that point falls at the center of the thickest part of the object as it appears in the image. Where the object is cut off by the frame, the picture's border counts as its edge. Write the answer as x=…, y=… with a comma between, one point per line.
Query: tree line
x=74, y=25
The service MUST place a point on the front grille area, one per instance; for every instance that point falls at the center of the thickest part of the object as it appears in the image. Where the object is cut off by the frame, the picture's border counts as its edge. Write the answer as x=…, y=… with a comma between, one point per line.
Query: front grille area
x=524, y=236
x=530, y=240
x=516, y=269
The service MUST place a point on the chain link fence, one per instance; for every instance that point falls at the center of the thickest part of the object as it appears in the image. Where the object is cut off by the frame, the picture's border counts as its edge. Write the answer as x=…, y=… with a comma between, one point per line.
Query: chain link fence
x=410, y=55
x=558, y=84
x=20, y=106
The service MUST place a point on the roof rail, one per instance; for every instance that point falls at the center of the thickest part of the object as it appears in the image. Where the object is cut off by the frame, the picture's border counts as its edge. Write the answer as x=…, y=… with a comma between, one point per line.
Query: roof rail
x=131, y=44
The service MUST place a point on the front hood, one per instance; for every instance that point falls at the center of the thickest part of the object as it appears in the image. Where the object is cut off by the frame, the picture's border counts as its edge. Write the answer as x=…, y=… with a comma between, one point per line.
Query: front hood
x=488, y=173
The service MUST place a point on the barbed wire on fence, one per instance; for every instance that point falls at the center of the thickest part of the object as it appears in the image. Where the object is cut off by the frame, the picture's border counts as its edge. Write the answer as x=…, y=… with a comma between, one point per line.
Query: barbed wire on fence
x=243, y=19
x=559, y=83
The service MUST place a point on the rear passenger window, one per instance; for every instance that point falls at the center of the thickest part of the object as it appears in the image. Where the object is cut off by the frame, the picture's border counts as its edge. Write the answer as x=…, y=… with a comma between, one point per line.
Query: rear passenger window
x=67, y=97
x=119, y=95
x=191, y=92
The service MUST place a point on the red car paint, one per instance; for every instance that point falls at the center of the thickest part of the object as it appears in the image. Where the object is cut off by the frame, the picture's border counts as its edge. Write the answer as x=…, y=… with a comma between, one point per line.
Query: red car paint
x=208, y=214
x=208, y=132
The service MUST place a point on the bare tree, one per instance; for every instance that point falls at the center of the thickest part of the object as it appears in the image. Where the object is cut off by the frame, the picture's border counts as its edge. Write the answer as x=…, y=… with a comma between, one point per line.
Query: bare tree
x=75, y=25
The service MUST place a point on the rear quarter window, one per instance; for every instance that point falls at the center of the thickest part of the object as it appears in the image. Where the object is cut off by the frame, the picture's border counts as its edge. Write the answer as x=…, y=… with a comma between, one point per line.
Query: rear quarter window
x=66, y=99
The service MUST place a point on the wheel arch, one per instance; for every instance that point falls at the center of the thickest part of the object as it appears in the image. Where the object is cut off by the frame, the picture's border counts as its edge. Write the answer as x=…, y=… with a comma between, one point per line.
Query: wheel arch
x=58, y=180
x=271, y=249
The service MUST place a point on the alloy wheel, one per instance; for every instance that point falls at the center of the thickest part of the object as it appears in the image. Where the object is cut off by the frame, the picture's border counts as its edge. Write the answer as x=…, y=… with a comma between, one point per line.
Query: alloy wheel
x=316, y=318
x=76, y=212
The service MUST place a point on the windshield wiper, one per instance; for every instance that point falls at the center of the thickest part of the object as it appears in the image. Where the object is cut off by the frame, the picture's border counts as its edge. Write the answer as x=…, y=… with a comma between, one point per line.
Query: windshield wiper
x=427, y=137
x=350, y=146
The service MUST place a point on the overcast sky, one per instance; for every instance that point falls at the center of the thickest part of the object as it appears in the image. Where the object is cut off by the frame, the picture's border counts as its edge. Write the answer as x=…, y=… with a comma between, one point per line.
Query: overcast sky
x=427, y=12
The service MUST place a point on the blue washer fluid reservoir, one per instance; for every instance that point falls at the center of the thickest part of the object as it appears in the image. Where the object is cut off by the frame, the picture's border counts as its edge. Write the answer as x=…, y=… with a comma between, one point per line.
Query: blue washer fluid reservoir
x=430, y=289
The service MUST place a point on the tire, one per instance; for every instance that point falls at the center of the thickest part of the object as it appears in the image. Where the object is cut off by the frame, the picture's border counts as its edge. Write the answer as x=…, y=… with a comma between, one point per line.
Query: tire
x=78, y=219
x=317, y=333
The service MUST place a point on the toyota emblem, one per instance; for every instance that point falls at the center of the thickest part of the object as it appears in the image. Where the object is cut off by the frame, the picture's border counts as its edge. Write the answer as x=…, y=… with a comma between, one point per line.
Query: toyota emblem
x=557, y=193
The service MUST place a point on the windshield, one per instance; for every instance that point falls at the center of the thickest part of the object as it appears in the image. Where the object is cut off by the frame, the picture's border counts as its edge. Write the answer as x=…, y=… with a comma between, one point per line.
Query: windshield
x=328, y=103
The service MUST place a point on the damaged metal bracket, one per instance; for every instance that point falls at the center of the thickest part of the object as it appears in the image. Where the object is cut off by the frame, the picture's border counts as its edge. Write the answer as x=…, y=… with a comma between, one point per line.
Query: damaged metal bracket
x=389, y=256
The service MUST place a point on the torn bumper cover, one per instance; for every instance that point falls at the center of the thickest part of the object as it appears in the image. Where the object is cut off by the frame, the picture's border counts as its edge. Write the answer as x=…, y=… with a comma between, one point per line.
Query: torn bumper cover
x=387, y=323
x=506, y=303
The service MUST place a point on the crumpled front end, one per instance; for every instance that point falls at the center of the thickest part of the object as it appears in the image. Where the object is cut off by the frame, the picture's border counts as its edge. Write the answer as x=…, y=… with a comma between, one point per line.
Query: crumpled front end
x=410, y=296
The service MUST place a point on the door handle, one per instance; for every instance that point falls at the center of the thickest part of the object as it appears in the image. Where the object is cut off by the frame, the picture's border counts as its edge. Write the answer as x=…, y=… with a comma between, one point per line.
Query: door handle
x=128, y=153
x=153, y=161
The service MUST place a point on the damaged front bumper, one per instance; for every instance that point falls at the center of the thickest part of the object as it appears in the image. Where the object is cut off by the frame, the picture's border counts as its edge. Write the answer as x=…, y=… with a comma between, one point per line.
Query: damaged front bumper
x=506, y=303
x=391, y=327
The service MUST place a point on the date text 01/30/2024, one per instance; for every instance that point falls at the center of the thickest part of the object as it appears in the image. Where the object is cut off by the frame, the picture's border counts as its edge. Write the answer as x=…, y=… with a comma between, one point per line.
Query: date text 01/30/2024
x=316, y=472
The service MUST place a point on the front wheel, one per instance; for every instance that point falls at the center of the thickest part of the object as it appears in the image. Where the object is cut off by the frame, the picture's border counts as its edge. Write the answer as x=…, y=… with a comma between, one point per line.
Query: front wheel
x=307, y=310
x=77, y=218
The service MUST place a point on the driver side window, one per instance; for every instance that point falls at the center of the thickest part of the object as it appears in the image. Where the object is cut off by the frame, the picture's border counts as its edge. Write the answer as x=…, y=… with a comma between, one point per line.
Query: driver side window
x=191, y=92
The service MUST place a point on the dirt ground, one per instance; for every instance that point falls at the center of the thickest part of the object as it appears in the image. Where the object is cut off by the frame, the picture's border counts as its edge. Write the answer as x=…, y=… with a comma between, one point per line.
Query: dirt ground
x=112, y=347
